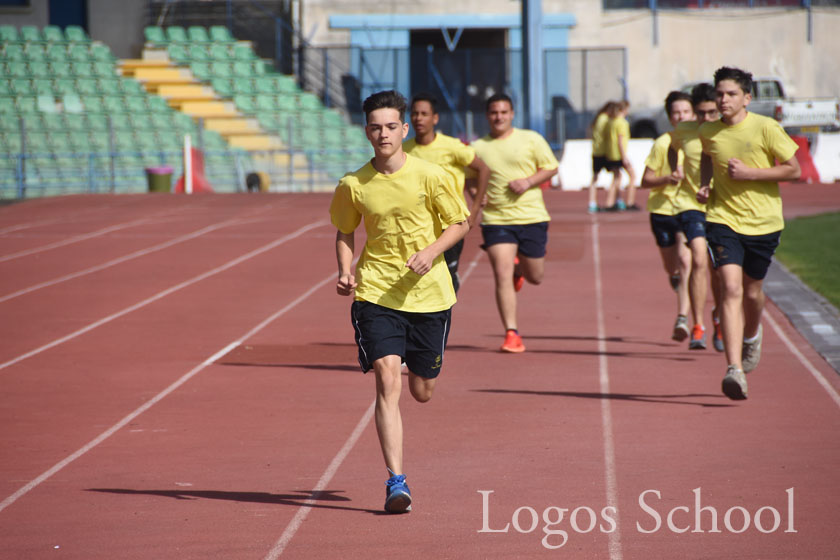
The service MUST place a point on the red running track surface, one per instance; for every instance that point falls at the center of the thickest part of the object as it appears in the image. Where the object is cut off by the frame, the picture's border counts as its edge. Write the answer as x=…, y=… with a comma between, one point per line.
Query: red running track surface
x=179, y=381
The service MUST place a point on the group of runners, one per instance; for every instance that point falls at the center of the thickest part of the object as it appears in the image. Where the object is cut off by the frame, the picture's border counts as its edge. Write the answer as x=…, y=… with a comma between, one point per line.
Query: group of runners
x=714, y=182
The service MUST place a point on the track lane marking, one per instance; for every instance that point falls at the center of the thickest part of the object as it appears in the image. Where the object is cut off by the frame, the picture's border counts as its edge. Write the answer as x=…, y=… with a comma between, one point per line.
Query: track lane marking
x=304, y=509
x=606, y=410
x=164, y=293
x=157, y=398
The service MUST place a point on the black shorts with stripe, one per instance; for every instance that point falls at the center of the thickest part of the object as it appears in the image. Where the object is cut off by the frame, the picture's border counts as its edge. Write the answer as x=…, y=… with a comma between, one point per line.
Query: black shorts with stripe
x=418, y=338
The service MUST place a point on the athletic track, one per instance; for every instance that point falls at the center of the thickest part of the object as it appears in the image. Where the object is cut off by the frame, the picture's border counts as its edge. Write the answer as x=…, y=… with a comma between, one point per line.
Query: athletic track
x=179, y=382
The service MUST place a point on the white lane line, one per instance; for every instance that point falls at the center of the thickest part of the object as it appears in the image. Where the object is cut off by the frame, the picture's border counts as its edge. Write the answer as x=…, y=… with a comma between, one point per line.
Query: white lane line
x=122, y=259
x=606, y=411
x=324, y=481
x=823, y=382
x=306, y=507
x=164, y=293
x=156, y=399
x=72, y=240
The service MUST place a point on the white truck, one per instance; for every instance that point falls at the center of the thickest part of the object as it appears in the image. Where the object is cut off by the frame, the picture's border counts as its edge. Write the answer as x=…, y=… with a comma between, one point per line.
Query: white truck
x=806, y=117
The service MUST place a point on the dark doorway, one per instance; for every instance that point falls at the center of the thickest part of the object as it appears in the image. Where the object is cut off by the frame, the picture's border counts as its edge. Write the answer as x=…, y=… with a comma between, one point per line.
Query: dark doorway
x=461, y=79
x=69, y=12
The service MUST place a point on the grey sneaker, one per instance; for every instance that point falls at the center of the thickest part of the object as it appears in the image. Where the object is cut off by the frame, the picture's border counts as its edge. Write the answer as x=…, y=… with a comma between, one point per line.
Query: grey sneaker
x=734, y=384
x=751, y=352
x=680, y=329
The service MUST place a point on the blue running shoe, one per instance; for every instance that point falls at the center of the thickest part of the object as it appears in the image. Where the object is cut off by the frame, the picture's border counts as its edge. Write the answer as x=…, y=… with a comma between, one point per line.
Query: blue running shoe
x=397, y=495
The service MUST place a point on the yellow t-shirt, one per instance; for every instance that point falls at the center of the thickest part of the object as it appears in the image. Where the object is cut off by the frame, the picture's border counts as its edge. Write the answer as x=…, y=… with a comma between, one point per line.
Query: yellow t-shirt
x=748, y=207
x=401, y=213
x=685, y=139
x=599, y=144
x=661, y=199
x=446, y=151
x=519, y=155
x=615, y=127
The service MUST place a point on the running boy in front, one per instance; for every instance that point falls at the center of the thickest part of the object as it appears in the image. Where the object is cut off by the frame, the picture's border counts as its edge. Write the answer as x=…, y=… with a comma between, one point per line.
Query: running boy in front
x=743, y=215
x=403, y=290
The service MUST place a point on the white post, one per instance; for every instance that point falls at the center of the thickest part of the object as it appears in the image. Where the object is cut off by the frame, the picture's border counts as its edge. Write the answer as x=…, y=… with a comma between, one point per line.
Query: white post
x=188, y=184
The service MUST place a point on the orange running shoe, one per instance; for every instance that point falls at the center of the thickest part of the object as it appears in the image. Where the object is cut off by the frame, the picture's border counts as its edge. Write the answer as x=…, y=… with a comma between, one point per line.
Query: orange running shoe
x=518, y=279
x=513, y=343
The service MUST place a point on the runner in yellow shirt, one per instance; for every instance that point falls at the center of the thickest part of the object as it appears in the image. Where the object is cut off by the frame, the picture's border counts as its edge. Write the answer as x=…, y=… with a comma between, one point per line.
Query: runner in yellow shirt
x=617, y=138
x=599, y=150
x=691, y=214
x=451, y=154
x=743, y=214
x=515, y=221
x=403, y=292
x=663, y=183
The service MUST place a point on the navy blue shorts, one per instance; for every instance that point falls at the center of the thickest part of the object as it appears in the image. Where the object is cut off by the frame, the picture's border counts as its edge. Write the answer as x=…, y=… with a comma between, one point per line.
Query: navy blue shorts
x=530, y=239
x=598, y=163
x=753, y=253
x=692, y=224
x=418, y=338
x=665, y=229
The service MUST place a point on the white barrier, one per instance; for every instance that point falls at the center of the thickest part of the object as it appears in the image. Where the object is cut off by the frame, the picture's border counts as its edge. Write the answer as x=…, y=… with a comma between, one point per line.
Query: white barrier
x=827, y=157
x=576, y=165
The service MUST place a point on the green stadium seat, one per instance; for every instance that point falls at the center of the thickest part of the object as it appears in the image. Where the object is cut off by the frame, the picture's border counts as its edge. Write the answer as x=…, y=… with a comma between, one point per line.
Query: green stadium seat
x=157, y=104
x=63, y=51
x=35, y=52
x=42, y=86
x=129, y=86
x=75, y=121
x=155, y=35
x=309, y=102
x=198, y=53
x=243, y=86
x=176, y=34
x=9, y=122
x=8, y=33
x=223, y=86
x=72, y=103
x=30, y=34
x=221, y=70
x=96, y=122
x=80, y=68
x=220, y=33
x=86, y=86
x=78, y=52
x=243, y=69
x=75, y=34
x=5, y=87
x=102, y=53
x=159, y=121
x=108, y=87
x=103, y=69
x=198, y=34
x=201, y=71
x=46, y=103
x=122, y=121
x=264, y=85
x=219, y=52
x=142, y=122
x=177, y=53
x=285, y=84
x=286, y=103
x=265, y=103
x=245, y=103
x=26, y=104
x=112, y=104
x=64, y=85
x=40, y=69
x=14, y=52
x=135, y=105
x=244, y=53
x=52, y=34
x=22, y=87
x=61, y=69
